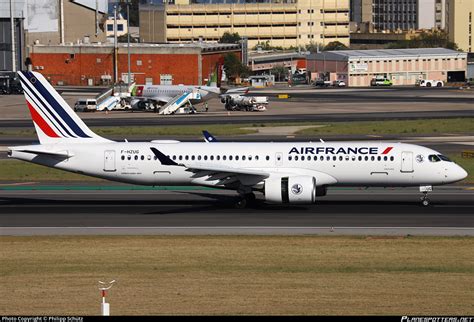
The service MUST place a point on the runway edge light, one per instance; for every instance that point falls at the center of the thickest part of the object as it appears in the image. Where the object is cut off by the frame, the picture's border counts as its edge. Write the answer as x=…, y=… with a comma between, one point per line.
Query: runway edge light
x=104, y=287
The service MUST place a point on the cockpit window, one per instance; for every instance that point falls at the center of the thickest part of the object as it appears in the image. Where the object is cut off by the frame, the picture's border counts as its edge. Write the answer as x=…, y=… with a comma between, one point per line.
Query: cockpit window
x=434, y=158
x=442, y=157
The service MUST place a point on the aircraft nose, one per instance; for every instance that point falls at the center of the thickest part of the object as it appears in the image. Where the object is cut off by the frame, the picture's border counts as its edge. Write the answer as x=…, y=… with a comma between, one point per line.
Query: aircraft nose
x=459, y=173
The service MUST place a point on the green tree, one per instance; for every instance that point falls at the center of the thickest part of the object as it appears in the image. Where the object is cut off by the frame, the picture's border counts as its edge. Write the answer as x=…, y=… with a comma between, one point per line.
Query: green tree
x=233, y=67
x=279, y=71
x=426, y=40
x=335, y=45
x=230, y=38
x=314, y=47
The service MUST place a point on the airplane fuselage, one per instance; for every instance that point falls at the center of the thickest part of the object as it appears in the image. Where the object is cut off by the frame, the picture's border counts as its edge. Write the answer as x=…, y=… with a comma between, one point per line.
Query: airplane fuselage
x=342, y=163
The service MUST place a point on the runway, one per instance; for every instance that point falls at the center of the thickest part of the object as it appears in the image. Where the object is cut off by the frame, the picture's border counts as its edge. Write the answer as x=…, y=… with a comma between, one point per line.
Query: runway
x=344, y=211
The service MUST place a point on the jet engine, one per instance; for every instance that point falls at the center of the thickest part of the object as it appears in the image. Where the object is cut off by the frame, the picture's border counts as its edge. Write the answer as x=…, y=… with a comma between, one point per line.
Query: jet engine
x=293, y=189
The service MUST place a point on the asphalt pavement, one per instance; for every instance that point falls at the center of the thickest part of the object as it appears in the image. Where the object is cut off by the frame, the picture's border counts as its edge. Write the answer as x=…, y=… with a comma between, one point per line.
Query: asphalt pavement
x=342, y=211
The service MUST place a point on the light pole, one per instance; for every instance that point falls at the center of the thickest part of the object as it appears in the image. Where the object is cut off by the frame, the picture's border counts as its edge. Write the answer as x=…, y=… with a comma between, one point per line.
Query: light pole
x=128, y=42
x=115, y=46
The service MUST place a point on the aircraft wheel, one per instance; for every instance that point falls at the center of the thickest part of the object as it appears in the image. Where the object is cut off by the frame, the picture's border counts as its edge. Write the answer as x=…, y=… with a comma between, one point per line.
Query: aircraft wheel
x=241, y=204
x=425, y=202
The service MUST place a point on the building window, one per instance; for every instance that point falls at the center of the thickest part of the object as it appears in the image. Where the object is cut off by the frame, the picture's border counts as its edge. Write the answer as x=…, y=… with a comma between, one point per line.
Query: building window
x=110, y=27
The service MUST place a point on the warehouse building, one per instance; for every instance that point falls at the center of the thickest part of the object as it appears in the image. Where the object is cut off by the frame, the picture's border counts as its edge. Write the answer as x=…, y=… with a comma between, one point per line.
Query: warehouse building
x=93, y=64
x=284, y=23
x=401, y=66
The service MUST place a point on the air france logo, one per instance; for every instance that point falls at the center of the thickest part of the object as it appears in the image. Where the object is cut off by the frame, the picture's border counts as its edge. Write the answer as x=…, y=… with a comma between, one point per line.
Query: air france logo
x=341, y=150
x=297, y=189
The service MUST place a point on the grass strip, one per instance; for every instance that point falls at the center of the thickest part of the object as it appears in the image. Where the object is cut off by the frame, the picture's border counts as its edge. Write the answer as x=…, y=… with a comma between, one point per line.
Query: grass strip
x=301, y=275
x=405, y=127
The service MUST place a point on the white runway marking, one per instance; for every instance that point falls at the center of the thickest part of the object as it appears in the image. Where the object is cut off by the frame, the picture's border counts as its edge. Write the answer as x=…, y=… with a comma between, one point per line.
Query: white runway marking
x=238, y=230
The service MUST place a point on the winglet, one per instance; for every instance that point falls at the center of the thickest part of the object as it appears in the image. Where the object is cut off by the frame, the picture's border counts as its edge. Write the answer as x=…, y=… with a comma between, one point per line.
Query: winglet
x=163, y=158
x=208, y=137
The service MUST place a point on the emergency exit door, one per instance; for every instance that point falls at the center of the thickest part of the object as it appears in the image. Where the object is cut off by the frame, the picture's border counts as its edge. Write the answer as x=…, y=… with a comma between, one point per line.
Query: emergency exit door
x=407, y=161
x=109, y=161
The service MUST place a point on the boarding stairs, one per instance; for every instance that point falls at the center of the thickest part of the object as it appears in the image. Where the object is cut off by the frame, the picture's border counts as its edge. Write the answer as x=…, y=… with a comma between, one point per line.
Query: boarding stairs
x=179, y=101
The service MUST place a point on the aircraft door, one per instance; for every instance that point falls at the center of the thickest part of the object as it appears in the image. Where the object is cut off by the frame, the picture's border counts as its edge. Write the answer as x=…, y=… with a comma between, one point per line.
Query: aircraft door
x=407, y=161
x=109, y=161
x=278, y=159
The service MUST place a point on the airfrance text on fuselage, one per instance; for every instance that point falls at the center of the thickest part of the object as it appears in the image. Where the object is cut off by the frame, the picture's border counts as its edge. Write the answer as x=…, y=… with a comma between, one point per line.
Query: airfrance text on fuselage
x=341, y=150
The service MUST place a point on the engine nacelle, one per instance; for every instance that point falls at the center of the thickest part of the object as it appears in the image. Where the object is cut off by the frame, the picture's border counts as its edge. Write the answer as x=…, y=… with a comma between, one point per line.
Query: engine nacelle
x=293, y=189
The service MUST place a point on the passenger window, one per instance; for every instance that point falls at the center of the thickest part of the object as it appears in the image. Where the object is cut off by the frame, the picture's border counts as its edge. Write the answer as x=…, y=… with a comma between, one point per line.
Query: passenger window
x=256, y=158
x=243, y=157
x=154, y=158
x=218, y=157
x=392, y=158
x=149, y=157
x=340, y=158
x=199, y=157
x=212, y=157
x=296, y=158
x=174, y=157
x=379, y=158
x=230, y=157
x=302, y=158
x=360, y=158
x=289, y=158
x=224, y=157
x=180, y=157
x=186, y=157
x=321, y=158
x=328, y=158
x=123, y=157
x=334, y=158
x=434, y=158
x=136, y=157
x=372, y=158
x=237, y=158
x=205, y=158
x=142, y=157
x=267, y=158
x=385, y=158
x=366, y=158
x=193, y=157
x=250, y=158
x=315, y=158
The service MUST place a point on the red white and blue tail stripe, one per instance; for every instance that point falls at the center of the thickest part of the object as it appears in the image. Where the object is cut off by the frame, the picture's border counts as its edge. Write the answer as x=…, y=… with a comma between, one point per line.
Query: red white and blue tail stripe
x=54, y=119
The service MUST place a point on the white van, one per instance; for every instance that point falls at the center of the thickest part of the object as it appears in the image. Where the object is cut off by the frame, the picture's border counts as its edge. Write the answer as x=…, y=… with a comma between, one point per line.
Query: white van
x=85, y=105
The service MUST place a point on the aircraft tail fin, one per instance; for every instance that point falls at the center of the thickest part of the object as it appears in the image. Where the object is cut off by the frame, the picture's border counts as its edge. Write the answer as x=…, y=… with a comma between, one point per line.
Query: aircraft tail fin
x=54, y=120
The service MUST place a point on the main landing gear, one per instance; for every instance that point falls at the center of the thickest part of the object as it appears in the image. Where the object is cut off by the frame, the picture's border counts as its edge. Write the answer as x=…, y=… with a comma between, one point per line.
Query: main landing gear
x=424, y=199
x=246, y=198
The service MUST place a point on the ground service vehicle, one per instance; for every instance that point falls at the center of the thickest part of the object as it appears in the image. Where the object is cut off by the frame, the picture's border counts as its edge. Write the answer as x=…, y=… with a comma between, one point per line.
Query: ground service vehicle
x=381, y=82
x=430, y=83
x=86, y=105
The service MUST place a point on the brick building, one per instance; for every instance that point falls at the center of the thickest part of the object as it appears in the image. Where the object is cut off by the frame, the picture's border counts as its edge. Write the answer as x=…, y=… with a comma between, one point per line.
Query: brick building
x=93, y=64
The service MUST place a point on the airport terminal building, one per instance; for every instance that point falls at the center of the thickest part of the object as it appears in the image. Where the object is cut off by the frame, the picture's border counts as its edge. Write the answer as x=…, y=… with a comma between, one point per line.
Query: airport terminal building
x=285, y=23
x=401, y=66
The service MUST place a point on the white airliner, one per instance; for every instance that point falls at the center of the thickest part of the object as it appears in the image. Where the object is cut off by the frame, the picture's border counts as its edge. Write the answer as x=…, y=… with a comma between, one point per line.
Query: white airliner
x=149, y=96
x=283, y=172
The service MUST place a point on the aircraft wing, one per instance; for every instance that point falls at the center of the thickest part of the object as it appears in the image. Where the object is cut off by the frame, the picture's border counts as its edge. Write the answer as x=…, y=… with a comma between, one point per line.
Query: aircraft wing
x=226, y=175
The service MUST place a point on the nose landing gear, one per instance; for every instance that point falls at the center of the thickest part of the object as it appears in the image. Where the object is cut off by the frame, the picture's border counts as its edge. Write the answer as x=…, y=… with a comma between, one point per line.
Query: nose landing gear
x=424, y=199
